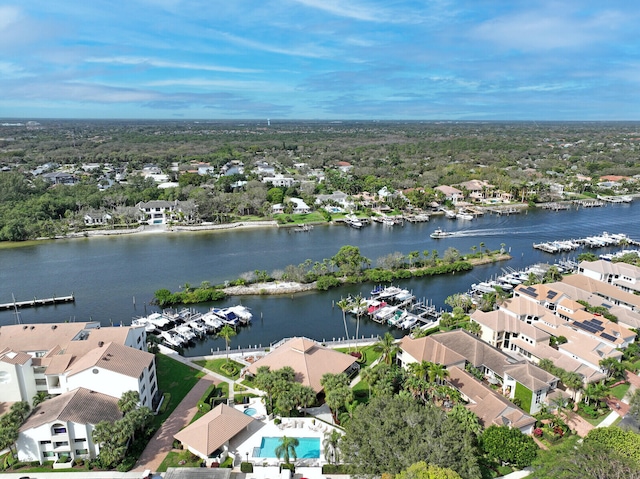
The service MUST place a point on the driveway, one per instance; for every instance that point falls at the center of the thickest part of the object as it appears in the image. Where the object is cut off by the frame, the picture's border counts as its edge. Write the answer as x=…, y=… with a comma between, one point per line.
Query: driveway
x=162, y=441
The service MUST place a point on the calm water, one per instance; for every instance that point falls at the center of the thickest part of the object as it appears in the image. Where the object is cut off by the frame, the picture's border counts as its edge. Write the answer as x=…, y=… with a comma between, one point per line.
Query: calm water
x=106, y=274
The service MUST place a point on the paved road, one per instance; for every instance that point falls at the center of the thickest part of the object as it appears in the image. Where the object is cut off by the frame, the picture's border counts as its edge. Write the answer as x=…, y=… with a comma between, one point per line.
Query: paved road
x=162, y=441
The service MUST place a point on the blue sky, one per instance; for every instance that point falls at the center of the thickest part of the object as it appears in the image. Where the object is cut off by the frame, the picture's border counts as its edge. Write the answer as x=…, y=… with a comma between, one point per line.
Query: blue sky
x=321, y=59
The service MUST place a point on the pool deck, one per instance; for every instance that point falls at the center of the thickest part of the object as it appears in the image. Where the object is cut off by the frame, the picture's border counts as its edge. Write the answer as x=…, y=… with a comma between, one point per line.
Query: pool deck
x=244, y=444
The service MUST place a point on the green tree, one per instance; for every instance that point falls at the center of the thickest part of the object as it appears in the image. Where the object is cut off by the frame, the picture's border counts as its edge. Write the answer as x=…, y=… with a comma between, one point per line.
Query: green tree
x=226, y=333
x=422, y=470
x=624, y=442
x=468, y=419
x=287, y=448
x=337, y=391
x=382, y=438
x=331, y=443
x=128, y=401
x=344, y=304
x=39, y=398
x=387, y=347
x=589, y=460
x=349, y=261
x=509, y=445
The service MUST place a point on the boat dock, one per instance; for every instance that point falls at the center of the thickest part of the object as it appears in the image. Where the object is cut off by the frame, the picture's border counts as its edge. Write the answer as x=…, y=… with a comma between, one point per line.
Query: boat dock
x=35, y=302
x=598, y=241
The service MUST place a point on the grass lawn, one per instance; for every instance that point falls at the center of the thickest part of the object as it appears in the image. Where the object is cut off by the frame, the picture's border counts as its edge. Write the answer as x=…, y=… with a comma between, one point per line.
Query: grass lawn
x=315, y=217
x=215, y=365
x=174, y=378
x=176, y=458
x=619, y=391
x=369, y=352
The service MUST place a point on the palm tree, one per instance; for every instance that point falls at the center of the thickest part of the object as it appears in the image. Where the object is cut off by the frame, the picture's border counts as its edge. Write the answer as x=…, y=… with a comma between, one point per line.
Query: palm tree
x=287, y=448
x=437, y=371
x=359, y=303
x=344, y=305
x=128, y=402
x=227, y=332
x=388, y=347
x=39, y=398
x=330, y=443
x=369, y=376
x=421, y=369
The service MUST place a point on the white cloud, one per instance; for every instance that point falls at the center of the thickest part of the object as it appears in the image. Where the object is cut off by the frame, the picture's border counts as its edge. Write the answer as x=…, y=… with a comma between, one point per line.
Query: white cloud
x=548, y=29
x=152, y=62
x=8, y=16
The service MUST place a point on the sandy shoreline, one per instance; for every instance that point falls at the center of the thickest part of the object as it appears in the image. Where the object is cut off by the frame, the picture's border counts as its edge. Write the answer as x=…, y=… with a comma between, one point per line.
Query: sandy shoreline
x=275, y=287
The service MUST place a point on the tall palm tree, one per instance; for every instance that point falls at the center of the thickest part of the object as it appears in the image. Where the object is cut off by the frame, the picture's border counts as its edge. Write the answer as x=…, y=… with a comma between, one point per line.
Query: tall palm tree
x=359, y=303
x=437, y=371
x=344, y=305
x=287, y=448
x=421, y=369
x=330, y=443
x=226, y=333
x=128, y=401
x=388, y=347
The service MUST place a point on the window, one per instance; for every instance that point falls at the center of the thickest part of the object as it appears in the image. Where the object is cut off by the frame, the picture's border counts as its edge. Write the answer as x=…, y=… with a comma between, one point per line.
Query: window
x=144, y=386
x=59, y=430
x=538, y=396
x=153, y=375
x=79, y=440
x=81, y=452
x=61, y=444
x=45, y=442
x=39, y=369
x=153, y=388
x=41, y=382
x=48, y=454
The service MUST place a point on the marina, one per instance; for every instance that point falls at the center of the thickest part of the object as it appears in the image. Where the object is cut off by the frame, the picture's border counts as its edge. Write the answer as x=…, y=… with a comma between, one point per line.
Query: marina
x=597, y=241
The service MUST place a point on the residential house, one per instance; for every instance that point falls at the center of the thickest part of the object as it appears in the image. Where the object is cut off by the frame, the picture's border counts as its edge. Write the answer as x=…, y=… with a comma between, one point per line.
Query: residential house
x=623, y=275
x=309, y=359
x=478, y=190
x=516, y=378
x=607, y=291
x=450, y=193
x=209, y=436
x=62, y=426
x=60, y=357
x=161, y=212
x=60, y=178
x=279, y=180
x=97, y=218
x=344, y=166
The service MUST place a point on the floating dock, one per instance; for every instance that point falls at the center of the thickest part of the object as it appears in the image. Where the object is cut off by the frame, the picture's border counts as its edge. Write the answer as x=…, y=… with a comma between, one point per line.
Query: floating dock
x=35, y=302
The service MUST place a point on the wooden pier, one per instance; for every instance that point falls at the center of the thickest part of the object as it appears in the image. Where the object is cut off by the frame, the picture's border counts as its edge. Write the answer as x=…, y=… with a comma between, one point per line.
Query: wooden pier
x=32, y=303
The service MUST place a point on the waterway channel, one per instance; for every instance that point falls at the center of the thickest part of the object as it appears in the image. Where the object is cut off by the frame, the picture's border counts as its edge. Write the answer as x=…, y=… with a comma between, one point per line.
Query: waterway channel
x=114, y=278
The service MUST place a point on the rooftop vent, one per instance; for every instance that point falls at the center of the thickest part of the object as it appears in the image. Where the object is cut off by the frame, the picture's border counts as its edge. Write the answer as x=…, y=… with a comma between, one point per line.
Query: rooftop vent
x=100, y=344
x=32, y=327
x=25, y=326
x=54, y=326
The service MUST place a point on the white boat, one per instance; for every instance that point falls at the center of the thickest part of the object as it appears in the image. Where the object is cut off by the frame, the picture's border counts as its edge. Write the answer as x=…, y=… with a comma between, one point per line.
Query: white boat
x=227, y=317
x=212, y=320
x=450, y=214
x=388, y=222
x=185, y=332
x=438, y=233
x=172, y=338
x=353, y=221
x=199, y=327
x=464, y=216
x=143, y=323
x=242, y=312
x=409, y=322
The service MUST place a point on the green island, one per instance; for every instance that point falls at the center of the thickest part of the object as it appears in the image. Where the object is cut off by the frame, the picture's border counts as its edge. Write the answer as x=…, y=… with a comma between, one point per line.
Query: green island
x=348, y=266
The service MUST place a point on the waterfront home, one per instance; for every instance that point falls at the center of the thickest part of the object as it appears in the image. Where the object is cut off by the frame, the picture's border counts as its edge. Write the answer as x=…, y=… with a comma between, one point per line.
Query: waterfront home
x=450, y=193
x=607, y=291
x=62, y=427
x=209, y=436
x=514, y=378
x=279, y=180
x=525, y=328
x=309, y=359
x=160, y=212
x=478, y=189
x=60, y=357
x=96, y=218
x=622, y=275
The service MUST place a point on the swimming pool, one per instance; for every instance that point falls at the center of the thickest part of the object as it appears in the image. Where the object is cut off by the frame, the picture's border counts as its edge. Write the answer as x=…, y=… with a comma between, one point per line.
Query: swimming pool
x=309, y=447
x=250, y=411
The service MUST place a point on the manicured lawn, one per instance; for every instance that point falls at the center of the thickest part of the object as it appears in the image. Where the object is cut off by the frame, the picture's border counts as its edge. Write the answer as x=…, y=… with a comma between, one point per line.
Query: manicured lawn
x=176, y=458
x=215, y=365
x=619, y=391
x=175, y=378
x=369, y=352
x=315, y=217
